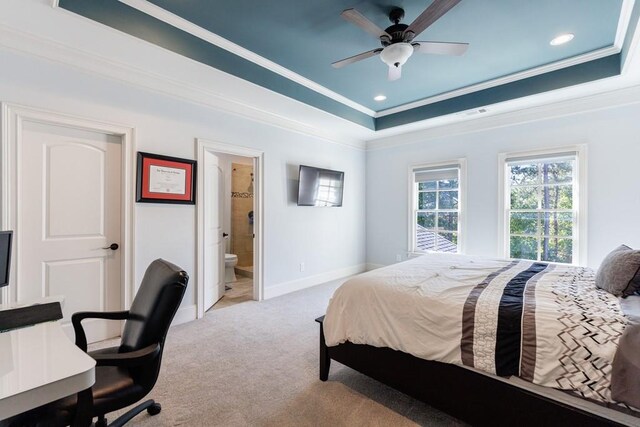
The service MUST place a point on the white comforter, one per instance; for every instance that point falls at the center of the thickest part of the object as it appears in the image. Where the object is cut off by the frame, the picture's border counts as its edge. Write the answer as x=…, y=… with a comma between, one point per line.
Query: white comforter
x=452, y=308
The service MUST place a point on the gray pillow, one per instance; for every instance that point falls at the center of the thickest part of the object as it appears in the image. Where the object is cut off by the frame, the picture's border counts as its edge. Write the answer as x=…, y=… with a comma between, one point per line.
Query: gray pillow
x=619, y=273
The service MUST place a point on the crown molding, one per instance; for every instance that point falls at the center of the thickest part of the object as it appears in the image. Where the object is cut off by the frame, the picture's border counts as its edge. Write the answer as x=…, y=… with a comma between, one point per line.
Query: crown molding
x=43, y=47
x=626, y=12
x=174, y=20
x=567, y=107
x=569, y=62
x=631, y=62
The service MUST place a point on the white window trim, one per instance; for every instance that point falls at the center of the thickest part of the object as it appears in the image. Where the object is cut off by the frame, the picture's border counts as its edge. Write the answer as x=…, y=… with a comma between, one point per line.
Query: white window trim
x=580, y=231
x=462, y=204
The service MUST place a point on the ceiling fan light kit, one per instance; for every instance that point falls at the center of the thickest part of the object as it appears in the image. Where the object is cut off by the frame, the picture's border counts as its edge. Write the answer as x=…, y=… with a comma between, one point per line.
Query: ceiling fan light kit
x=395, y=55
x=397, y=40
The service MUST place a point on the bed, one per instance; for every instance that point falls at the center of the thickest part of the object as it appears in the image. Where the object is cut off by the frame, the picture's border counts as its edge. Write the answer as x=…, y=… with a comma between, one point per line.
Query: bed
x=491, y=341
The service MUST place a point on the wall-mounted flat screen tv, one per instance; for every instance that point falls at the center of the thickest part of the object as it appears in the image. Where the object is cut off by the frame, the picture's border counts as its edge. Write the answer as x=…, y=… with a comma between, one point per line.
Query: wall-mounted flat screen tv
x=320, y=187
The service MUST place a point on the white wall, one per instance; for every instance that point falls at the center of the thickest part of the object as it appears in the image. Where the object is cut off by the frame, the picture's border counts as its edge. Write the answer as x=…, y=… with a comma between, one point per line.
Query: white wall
x=613, y=140
x=325, y=239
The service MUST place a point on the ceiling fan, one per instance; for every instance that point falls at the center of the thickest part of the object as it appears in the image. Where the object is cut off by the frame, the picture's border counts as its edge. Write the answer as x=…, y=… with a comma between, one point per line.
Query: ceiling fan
x=397, y=40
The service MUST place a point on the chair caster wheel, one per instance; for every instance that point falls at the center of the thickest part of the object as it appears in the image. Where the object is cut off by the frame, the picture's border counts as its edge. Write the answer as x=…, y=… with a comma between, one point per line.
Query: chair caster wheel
x=154, y=409
x=102, y=422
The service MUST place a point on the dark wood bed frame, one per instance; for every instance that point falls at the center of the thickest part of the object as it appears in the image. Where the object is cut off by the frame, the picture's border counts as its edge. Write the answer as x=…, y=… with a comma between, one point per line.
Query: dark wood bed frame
x=469, y=396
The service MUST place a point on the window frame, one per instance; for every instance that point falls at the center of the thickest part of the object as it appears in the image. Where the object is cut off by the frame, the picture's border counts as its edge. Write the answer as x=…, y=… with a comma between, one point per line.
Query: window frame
x=412, y=250
x=579, y=199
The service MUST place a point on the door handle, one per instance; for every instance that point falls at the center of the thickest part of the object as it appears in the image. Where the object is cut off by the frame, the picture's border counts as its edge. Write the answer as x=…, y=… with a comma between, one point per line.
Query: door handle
x=113, y=247
x=224, y=234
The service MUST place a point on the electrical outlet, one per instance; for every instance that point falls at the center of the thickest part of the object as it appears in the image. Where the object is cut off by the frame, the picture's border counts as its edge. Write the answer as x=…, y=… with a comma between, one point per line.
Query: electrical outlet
x=398, y=257
x=301, y=266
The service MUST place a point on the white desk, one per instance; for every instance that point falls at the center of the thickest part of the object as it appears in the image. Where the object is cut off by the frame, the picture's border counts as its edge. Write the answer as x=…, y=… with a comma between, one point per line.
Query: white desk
x=39, y=364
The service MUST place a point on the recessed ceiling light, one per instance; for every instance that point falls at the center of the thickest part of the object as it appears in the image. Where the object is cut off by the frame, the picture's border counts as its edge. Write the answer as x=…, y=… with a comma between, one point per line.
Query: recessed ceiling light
x=379, y=98
x=561, y=39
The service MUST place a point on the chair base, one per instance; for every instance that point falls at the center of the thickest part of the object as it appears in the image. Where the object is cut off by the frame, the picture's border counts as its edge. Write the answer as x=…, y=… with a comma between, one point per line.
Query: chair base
x=151, y=406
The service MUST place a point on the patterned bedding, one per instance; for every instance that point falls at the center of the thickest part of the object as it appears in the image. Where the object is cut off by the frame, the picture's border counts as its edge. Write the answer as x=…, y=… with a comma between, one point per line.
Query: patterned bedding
x=545, y=323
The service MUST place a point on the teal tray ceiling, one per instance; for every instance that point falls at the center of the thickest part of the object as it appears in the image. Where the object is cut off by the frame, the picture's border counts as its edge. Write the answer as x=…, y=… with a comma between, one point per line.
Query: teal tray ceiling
x=506, y=37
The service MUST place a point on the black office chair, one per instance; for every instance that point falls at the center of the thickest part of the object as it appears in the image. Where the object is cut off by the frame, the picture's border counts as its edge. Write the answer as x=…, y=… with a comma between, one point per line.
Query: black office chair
x=127, y=373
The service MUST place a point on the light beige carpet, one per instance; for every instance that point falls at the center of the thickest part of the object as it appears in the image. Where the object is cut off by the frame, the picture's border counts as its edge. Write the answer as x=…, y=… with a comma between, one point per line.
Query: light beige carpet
x=256, y=364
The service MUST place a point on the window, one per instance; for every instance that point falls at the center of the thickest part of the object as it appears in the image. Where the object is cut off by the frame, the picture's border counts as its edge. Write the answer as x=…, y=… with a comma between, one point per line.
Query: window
x=436, y=207
x=542, y=204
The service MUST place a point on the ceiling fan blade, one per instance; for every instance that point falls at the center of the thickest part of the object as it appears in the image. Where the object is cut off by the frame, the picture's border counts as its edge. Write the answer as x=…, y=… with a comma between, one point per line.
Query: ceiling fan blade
x=356, y=58
x=361, y=21
x=441, y=48
x=394, y=73
x=430, y=15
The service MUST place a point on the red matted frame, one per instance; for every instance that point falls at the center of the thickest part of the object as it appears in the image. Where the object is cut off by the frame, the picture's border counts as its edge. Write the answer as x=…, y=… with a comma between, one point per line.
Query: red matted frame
x=164, y=179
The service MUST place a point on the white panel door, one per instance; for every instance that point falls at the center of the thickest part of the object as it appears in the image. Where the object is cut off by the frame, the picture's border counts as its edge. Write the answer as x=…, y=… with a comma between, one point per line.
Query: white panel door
x=69, y=211
x=214, y=247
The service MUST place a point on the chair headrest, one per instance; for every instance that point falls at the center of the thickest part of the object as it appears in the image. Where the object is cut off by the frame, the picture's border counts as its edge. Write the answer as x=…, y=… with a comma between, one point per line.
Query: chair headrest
x=154, y=305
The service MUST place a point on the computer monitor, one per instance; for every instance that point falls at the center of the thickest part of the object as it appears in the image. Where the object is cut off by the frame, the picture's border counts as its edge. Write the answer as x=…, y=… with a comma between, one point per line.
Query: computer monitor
x=5, y=256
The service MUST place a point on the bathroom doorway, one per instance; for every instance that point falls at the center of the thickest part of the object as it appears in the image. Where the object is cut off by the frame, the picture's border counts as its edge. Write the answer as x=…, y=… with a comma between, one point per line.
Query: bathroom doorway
x=229, y=226
x=238, y=219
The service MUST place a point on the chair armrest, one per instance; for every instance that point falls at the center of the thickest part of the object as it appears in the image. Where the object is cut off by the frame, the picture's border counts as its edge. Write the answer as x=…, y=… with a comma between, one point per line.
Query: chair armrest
x=77, y=318
x=128, y=359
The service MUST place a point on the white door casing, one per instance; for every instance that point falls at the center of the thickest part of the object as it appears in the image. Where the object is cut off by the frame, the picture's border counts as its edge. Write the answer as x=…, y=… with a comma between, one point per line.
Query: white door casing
x=214, y=244
x=66, y=193
x=204, y=149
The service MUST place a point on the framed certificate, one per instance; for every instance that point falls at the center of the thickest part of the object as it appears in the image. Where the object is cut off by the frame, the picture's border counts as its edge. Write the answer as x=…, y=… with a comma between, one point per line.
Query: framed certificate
x=164, y=179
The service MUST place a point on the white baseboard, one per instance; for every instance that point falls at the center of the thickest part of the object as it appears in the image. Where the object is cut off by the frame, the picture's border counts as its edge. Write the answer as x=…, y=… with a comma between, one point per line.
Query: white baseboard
x=307, y=282
x=185, y=314
x=371, y=266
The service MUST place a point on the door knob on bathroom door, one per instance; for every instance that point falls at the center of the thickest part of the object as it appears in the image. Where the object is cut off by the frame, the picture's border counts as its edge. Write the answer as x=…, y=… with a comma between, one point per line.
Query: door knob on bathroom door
x=113, y=247
x=224, y=234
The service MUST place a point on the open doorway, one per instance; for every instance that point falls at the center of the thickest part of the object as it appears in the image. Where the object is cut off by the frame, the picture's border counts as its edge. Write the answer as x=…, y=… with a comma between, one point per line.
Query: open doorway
x=229, y=225
x=237, y=200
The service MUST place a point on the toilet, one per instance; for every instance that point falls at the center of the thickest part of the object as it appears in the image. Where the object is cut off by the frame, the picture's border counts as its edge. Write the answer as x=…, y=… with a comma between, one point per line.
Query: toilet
x=230, y=261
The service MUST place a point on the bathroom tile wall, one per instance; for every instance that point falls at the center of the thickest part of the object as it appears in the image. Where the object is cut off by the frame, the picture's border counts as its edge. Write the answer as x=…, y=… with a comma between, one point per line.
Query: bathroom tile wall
x=241, y=207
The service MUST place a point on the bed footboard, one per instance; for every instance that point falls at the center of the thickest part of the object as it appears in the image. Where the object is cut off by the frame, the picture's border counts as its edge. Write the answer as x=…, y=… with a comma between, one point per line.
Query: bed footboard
x=470, y=396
